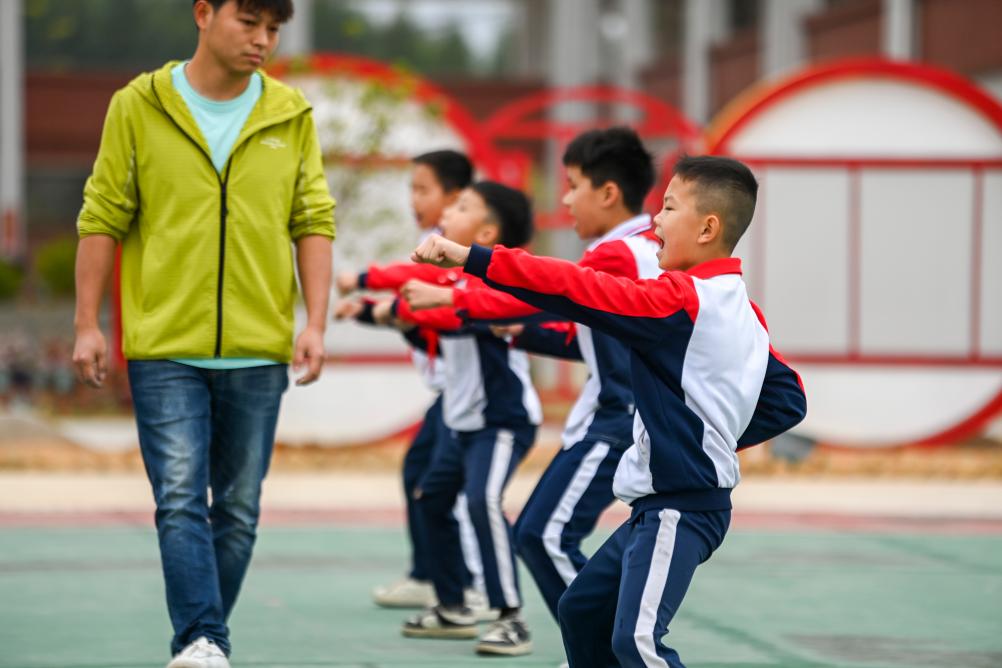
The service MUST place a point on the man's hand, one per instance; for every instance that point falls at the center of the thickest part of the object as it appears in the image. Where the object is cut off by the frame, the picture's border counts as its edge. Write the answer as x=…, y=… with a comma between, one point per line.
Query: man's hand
x=421, y=295
x=348, y=308
x=90, y=356
x=346, y=282
x=309, y=351
x=441, y=252
x=504, y=331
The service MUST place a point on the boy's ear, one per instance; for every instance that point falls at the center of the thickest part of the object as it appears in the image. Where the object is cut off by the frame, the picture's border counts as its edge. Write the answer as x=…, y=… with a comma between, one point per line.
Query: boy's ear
x=610, y=194
x=488, y=235
x=711, y=229
x=451, y=196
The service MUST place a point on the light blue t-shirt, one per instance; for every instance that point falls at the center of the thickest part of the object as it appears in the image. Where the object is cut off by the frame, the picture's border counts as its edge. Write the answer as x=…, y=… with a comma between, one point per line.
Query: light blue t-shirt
x=220, y=123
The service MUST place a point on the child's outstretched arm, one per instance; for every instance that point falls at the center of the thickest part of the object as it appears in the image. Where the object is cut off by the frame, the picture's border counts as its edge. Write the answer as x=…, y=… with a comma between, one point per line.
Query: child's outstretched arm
x=443, y=318
x=632, y=310
x=392, y=276
x=553, y=339
x=492, y=305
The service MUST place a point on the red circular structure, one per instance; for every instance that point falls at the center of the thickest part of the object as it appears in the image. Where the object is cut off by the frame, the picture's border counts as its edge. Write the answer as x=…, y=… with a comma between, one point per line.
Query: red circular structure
x=726, y=128
x=747, y=106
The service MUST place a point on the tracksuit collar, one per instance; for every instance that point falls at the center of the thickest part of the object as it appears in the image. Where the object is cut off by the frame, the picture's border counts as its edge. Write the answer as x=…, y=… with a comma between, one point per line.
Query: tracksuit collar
x=627, y=228
x=717, y=267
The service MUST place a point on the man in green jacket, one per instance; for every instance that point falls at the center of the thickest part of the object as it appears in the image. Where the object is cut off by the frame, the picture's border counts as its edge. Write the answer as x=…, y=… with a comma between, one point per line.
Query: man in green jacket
x=208, y=172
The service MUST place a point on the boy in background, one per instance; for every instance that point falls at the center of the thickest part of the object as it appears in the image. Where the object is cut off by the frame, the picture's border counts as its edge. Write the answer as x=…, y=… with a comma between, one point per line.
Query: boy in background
x=493, y=411
x=437, y=179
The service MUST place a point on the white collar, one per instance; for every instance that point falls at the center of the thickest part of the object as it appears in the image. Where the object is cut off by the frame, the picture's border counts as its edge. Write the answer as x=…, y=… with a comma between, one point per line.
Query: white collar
x=627, y=228
x=424, y=234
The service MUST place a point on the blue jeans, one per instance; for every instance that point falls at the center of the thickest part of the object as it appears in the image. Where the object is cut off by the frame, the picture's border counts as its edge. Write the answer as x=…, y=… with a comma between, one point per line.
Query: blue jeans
x=202, y=429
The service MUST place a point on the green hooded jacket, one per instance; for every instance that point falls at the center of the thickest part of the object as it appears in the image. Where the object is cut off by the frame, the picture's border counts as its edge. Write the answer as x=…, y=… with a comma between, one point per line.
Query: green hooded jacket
x=207, y=263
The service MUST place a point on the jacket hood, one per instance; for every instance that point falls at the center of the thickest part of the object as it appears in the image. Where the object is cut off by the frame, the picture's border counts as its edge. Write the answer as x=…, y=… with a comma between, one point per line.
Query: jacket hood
x=279, y=102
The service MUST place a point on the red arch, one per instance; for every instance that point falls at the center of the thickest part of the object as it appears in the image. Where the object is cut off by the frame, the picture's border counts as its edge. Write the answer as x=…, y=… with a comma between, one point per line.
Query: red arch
x=481, y=152
x=747, y=106
x=522, y=120
x=514, y=120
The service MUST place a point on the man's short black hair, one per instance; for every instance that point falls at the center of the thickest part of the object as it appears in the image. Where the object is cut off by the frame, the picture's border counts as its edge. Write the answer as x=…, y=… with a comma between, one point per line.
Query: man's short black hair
x=280, y=9
x=453, y=170
x=509, y=209
x=723, y=186
x=617, y=155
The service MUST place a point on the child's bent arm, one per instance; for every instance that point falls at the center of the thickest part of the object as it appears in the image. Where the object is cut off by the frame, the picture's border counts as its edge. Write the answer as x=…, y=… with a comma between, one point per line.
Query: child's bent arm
x=781, y=405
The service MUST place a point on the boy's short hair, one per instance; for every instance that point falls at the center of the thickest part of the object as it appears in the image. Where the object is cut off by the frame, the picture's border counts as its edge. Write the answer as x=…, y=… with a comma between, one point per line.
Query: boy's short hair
x=723, y=186
x=280, y=9
x=509, y=209
x=453, y=170
x=614, y=154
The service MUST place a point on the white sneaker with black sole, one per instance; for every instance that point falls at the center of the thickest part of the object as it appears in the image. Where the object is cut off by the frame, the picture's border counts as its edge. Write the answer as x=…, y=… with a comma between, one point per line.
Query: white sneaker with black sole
x=406, y=593
x=439, y=622
x=508, y=636
x=202, y=653
x=477, y=601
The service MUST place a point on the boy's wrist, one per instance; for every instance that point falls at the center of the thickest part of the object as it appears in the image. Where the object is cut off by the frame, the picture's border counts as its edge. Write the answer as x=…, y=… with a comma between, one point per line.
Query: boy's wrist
x=478, y=258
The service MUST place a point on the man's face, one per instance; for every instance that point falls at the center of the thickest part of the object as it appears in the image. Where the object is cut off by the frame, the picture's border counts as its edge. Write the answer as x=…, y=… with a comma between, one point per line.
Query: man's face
x=428, y=198
x=465, y=222
x=240, y=39
x=678, y=226
x=584, y=203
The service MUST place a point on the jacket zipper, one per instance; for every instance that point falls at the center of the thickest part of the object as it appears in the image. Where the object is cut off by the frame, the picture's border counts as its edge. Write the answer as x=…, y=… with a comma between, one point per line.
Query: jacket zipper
x=223, y=182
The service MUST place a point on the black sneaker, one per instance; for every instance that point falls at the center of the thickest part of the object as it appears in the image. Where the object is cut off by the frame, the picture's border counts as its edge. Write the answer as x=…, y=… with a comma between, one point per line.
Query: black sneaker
x=439, y=622
x=508, y=636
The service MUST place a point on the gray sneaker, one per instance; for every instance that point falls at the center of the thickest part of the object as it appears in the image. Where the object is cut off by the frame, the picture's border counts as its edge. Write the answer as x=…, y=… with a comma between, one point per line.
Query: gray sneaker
x=508, y=636
x=439, y=622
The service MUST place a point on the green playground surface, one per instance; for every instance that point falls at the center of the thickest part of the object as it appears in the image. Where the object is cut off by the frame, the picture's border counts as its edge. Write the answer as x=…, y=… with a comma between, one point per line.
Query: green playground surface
x=92, y=597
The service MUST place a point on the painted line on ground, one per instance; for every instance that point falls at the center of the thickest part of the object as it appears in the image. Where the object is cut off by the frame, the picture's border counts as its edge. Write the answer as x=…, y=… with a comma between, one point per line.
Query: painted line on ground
x=394, y=517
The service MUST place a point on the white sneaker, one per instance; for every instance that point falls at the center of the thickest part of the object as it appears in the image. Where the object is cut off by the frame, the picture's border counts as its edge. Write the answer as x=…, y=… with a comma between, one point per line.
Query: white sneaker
x=406, y=593
x=476, y=600
x=203, y=653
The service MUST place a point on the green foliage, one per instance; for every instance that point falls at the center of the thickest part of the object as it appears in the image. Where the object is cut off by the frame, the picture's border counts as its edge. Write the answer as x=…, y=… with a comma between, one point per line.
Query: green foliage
x=107, y=34
x=54, y=264
x=136, y=35
x=338, y=27
x=10, y=280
